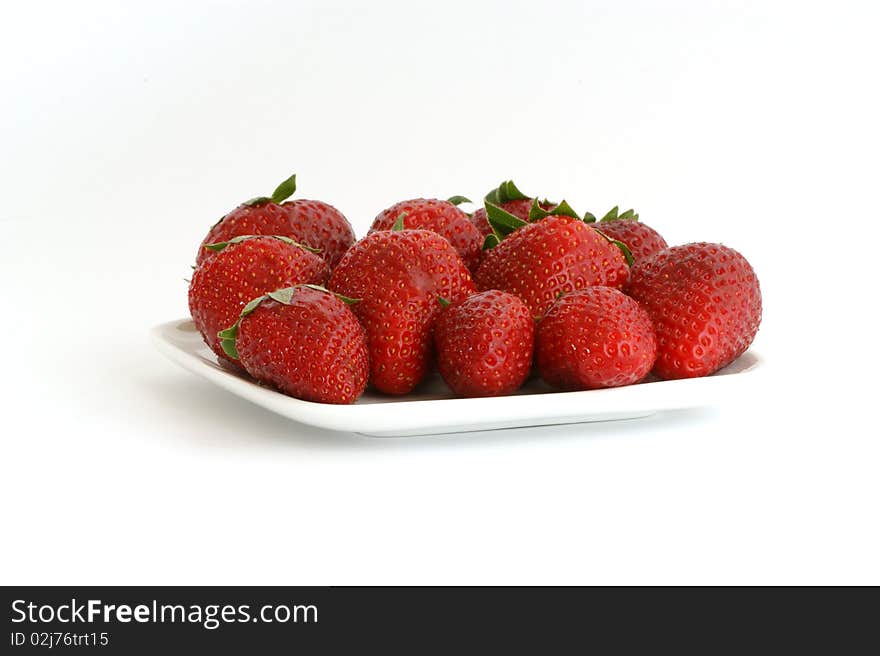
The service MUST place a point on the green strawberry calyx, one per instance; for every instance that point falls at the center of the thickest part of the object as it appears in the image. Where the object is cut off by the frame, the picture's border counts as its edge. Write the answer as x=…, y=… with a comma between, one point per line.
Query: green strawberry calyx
x=283, y=296
x=536, y=212
x=398, y=222
x=627, y=254
x=505, y=192
x=502, y=223
x=612, y=215
x=458, y=200
x=282, y=192
x=491, y=241
x=220, y=245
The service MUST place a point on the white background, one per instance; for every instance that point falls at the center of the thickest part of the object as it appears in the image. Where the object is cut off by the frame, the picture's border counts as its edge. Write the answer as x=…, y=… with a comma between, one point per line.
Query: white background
x=126, y=130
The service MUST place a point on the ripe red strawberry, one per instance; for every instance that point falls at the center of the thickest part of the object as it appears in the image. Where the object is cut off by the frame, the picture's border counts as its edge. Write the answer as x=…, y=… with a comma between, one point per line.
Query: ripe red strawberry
x=595, y=337
x=510, y=199
x=556, y=254
x=642, y=241
x=241, y=270
x=399, y=275
x=304, y=341
x=440, y=216
x=484, y=344
x=705, y=302
x=319, y=225
x=309, y=222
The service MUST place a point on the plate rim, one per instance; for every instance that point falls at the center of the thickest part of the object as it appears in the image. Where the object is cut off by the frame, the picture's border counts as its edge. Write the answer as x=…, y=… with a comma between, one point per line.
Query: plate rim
x=516, y=410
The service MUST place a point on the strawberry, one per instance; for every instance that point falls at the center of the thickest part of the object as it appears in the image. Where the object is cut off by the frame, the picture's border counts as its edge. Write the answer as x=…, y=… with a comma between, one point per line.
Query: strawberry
x=705, y=302
x=595, y=337
x=556, y=253
x=309, y=222
x=319, y=225
x=304, y=341
x=484, y=344
x=399, y=275
x=440, y=216
x=511, y=200
x=242, y=269
x=642, y=241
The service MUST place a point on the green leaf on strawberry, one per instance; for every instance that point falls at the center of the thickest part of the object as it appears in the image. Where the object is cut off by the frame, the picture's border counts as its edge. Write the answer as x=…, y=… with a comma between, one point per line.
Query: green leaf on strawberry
x=612, y=215
x=491, y=241
x=505, y=192
x=282, y=192
x=502, y=221
x=285, y=190
x=320, y=288
x=536, y=213
x=259, y=200
x=220, y=245
x=283, y=296
x=227, y=340
x=627, y=254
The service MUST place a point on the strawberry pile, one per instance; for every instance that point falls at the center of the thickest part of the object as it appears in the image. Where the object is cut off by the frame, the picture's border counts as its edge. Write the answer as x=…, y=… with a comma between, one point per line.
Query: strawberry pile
x=283, y=291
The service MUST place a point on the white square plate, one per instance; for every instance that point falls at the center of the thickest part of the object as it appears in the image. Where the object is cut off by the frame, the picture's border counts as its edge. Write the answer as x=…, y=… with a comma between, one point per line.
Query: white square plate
x=432, y=409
